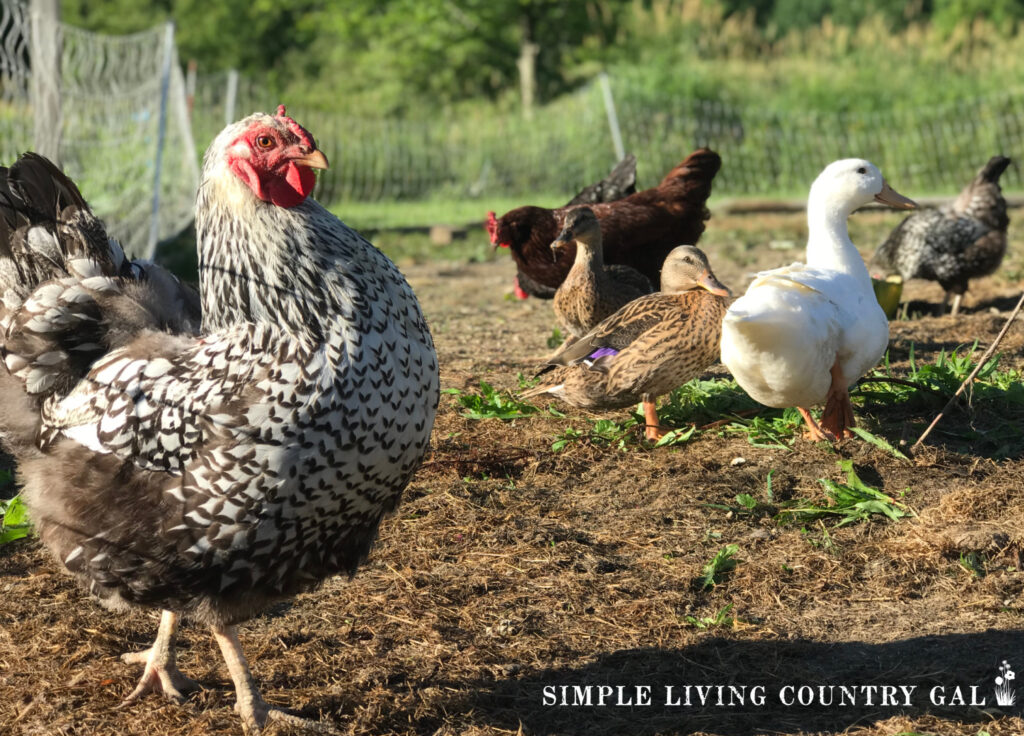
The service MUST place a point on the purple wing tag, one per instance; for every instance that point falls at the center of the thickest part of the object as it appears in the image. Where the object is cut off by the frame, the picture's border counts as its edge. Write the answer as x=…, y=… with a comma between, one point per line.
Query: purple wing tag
x=600, y=358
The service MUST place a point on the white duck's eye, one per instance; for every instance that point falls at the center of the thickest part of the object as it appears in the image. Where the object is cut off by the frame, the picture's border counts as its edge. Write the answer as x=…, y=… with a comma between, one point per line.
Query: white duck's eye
x=862, y=170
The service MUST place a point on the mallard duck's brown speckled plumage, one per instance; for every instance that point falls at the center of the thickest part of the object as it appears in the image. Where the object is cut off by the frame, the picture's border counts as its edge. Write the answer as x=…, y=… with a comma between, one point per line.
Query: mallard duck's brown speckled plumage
x=647, y=348
x=592, y=291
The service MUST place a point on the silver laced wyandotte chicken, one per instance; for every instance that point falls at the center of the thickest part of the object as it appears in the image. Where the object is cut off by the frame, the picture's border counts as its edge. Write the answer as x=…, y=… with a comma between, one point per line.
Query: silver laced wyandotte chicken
x=209, y=469
x=956, y=243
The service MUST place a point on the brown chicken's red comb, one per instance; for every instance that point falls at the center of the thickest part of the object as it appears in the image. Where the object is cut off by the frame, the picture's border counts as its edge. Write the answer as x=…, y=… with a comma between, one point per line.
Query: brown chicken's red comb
x=492, y=227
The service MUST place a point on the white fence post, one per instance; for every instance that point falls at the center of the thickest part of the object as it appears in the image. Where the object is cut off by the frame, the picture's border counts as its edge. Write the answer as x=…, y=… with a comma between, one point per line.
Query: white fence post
x=232, y=97
x=613, y=118
x=44, y=50
x=161, y=134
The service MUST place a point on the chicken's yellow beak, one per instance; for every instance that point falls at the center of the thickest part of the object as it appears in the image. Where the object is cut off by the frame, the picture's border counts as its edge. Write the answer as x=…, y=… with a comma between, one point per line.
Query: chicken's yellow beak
x=314, y=160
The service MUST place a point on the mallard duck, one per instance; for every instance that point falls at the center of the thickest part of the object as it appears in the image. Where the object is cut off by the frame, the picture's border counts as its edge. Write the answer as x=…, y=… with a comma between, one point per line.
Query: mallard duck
x=802, y=334
x=954, y=244
x=647, y=348
x=591, y=291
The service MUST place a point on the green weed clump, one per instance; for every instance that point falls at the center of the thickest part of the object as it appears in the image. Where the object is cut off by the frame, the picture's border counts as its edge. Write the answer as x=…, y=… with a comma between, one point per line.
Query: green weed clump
x=719, y=567
x=14, y=522
x=490, y=403
x=850, y=502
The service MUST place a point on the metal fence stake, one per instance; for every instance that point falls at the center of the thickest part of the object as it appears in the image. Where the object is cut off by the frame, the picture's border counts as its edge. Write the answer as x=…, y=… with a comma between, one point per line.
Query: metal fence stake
x=161, y=134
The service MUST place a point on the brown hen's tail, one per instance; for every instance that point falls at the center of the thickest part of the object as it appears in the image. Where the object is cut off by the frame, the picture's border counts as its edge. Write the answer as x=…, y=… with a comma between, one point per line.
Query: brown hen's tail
x=69, y=294
x=695, y=174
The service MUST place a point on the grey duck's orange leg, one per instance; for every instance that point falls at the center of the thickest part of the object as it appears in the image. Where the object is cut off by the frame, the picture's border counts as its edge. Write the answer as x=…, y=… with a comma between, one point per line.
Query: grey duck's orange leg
x=837, y=418
x=161, y=674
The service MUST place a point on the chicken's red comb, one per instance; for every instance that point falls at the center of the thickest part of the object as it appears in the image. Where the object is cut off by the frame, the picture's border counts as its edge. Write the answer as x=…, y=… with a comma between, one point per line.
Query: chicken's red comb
x=492, y=227
x=302, y=134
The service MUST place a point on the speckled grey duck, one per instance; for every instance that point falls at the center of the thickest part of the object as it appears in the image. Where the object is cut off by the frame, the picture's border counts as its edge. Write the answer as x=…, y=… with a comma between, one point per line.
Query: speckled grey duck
x=209, y=470
x=647, y=348
x=956, y=243
x=591, y=290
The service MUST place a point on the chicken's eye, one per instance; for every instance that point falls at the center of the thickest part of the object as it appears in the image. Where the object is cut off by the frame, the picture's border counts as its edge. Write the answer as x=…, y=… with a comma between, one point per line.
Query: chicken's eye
x=264, y=141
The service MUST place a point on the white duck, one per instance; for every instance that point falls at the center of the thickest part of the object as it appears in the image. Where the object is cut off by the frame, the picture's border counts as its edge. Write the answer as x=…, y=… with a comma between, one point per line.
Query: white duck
x=803, y=334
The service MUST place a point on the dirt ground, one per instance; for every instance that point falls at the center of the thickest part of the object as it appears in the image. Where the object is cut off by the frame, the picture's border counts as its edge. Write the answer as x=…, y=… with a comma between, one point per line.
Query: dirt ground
x=511, y=570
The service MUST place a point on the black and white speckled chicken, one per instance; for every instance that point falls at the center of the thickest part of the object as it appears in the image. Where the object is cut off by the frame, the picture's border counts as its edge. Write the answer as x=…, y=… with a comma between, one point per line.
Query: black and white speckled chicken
x=209, y=470
x=956, y=243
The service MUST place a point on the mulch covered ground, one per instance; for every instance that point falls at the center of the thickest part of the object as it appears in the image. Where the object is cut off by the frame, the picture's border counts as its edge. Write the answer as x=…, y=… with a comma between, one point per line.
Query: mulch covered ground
x=512, y=573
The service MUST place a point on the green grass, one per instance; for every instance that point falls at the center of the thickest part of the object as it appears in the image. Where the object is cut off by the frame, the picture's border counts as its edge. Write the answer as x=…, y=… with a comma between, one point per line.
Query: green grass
x=719, y=567
x=849, y=502
x=14, y=522
x=994, y=401
x=600, y=433
x=721, y=619
x=491, y=403
x=451, y=211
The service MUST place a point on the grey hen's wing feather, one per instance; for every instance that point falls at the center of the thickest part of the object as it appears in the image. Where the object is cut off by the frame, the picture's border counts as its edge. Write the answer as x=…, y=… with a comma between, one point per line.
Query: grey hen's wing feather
x=161, y=400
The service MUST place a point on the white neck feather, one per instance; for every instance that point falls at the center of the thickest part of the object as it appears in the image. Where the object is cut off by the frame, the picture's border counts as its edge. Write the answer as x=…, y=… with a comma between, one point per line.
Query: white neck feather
x=828, y=242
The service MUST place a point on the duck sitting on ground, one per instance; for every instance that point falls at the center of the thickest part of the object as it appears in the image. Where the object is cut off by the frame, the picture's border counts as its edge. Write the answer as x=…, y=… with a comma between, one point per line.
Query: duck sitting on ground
x=803, y=334
x=647, y=348
x=956, y=243
x=591, y=291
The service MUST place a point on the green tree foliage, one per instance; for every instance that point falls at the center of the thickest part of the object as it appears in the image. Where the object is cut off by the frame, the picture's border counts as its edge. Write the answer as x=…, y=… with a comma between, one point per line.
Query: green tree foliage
x=379, y=57
x=425, y=52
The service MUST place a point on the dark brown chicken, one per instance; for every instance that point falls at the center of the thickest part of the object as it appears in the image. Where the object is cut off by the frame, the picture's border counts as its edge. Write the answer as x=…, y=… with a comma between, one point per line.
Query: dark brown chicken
x=639, y=230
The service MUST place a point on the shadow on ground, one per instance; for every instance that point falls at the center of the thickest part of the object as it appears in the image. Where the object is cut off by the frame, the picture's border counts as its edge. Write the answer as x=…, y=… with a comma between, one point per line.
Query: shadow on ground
x=942, y=663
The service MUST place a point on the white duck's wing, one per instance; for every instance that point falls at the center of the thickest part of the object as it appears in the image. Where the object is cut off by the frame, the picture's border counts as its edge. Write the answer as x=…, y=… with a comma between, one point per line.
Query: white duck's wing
x=863, y=326
x=793, y=323
x=781, y=337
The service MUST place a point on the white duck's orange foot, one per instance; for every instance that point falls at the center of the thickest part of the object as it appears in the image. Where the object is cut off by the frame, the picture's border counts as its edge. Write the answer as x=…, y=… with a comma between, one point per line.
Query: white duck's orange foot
x=837, y=418
x=814, y=432
x=654, y=434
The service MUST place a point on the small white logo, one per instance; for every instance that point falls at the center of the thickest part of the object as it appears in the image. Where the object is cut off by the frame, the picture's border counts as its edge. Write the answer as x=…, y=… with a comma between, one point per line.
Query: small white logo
x=1006, y=694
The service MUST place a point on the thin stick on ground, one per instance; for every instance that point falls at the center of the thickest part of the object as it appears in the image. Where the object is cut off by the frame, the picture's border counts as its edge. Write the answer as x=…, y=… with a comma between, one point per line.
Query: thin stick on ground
x=967, y=381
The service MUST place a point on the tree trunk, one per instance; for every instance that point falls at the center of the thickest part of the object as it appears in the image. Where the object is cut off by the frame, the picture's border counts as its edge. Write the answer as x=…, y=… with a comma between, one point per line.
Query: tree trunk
x=527, y=64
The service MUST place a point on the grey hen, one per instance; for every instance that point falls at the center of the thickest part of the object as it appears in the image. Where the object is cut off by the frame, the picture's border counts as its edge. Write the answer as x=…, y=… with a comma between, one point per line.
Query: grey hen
x=956, y=243
x=208, y=471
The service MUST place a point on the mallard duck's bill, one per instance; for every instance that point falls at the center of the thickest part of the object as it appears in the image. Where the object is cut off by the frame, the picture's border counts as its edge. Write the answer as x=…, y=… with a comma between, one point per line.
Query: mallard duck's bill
x=891, y=197
x=716, y=287
x=557, y=245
